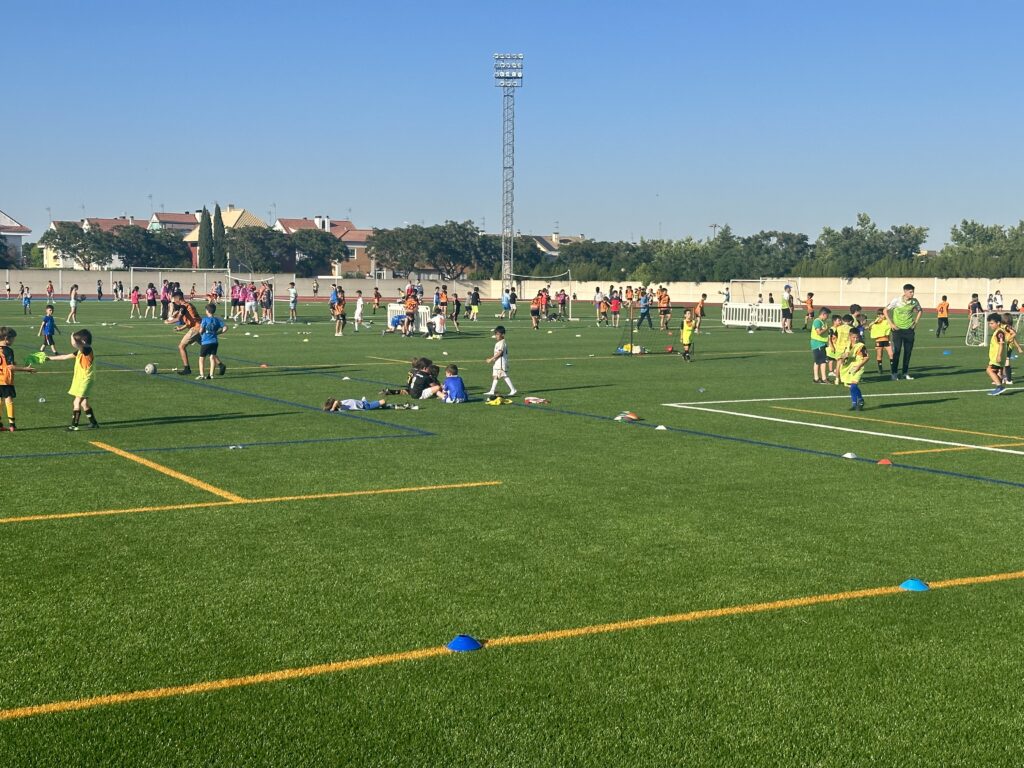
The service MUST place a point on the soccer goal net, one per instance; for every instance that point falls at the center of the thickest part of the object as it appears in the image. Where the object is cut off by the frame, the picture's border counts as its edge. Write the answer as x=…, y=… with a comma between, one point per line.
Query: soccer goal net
x=978, y=330
x=757, y=303
x=561, y=281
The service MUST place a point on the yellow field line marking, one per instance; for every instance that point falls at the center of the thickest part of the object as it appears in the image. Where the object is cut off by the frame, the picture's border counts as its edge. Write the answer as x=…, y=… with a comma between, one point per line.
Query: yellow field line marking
x=169, y=472
x=227, y=503
x=315, y=670
x=943, y=450
x=897, y=423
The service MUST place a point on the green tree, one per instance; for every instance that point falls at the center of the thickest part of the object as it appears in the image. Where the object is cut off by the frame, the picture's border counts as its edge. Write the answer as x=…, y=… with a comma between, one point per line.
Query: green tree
x=219, y=252
x=32, y=255
x=94, y=248
x=260, y=249
x=7, y=260
x=393, y=249
x=316, y=251
x=205, y=260
x=151, y=248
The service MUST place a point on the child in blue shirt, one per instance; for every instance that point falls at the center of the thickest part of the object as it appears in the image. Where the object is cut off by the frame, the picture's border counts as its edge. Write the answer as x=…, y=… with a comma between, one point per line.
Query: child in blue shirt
x=454, y=389
x=210, y=328
x=47, y=329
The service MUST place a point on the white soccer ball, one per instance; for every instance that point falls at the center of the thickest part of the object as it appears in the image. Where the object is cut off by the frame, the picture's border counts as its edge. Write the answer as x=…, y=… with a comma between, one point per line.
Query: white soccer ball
x=150, y=368
x=42, y=399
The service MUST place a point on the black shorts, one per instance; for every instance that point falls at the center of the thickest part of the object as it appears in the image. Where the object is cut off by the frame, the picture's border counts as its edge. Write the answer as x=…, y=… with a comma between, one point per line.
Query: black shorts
x=664, y=311
x=205, y=350
x=7, y=390
x=787, y=314
x=48, y=339
x=236, y=302
x=993, y=366
x=534, y=313
x=881, y=344
x=150, y=302
x=819, y=355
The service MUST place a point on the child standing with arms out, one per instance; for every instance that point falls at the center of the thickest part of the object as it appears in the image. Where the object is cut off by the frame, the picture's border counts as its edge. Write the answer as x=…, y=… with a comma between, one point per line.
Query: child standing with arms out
x=82, y=380
x=879, y=331
x=686, y=331
x=499, y=362
x=854, y=369
x=210, y=328
x=7, y=370
x=47, y=329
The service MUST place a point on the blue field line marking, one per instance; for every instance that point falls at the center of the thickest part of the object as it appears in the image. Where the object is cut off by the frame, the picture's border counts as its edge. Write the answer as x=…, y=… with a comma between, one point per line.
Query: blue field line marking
x=279, y=401
x=792, y=448
x=170, y=449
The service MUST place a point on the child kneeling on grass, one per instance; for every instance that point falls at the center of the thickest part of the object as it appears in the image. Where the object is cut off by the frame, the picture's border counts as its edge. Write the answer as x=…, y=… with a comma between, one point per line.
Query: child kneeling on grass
x=453, y=390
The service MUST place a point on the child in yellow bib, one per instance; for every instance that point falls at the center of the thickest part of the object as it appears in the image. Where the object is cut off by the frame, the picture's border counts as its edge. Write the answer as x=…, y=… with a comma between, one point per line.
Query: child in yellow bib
x=851, y=372
x=686, y=331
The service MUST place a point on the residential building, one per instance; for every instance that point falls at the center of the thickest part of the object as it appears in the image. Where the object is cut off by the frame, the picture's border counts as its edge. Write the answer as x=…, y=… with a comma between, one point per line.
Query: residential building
x=344, y=230
x=233, y=218
x=11, y=235
x=178, y=222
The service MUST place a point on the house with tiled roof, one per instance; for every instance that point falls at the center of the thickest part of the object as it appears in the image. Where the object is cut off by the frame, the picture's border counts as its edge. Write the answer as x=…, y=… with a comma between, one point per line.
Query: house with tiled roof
x=11, y=235
x=109, y=225
x=178, y=222
x=233, y=218
x=344, y=230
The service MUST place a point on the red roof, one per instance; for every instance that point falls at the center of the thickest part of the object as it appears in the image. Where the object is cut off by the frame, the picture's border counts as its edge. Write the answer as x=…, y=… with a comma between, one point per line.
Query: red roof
x=18, y=230
x=176, y=218
x=356, y=235
x=109, y=225
x=293, y=225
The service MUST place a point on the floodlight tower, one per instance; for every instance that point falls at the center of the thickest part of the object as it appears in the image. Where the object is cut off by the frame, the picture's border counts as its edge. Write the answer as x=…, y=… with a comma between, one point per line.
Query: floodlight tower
x=508, y=75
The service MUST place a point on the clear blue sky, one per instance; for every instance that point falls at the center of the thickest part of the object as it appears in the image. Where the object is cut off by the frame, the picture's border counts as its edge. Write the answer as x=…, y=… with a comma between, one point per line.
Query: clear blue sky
x=634, y=120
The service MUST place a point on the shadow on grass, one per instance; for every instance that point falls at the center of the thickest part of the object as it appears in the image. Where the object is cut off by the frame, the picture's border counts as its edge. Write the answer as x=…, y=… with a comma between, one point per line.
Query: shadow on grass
x=915, y=402
x=155, y=421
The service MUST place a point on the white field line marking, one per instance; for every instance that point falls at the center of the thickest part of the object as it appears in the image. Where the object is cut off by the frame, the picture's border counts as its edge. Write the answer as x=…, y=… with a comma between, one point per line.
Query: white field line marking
x=855, y=431
x=826, y=397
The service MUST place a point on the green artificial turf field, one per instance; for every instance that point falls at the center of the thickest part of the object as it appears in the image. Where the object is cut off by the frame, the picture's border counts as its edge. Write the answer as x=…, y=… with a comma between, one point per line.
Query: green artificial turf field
x=242, y=605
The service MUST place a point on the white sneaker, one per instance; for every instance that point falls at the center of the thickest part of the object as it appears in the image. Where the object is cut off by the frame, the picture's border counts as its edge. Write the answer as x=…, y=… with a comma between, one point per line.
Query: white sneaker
x=513, y=393
x=908, y=377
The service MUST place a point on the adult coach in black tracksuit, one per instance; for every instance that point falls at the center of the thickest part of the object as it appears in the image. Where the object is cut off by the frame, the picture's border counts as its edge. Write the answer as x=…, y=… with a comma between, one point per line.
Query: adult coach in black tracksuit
x=903, y=314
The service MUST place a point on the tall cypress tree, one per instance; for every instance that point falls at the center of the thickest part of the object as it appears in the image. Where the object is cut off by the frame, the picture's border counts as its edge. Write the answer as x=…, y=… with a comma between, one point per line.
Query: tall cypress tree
x=219, y=245
x=205, y=260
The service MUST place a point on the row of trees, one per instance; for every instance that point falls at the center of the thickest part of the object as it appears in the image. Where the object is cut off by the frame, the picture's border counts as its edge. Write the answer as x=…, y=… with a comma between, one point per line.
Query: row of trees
x=307, y=252
x=458, y=249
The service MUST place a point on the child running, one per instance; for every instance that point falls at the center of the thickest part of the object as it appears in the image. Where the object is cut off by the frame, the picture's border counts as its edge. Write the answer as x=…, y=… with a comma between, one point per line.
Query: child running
x=47, y=329
x=7, y=371
x=82, y=380
x=852, y=371
x=686, y=330
x=210, y=329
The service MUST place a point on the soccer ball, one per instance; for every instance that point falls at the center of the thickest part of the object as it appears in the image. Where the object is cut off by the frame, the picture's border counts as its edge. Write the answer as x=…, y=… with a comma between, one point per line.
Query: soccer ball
x=150, y=368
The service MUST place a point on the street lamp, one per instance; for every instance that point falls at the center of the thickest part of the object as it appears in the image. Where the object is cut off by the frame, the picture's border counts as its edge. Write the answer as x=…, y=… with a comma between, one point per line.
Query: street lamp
x=508, y=75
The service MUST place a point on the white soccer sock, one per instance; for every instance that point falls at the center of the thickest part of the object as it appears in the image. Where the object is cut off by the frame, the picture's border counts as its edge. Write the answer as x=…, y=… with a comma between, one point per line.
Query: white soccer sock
x=511, y=387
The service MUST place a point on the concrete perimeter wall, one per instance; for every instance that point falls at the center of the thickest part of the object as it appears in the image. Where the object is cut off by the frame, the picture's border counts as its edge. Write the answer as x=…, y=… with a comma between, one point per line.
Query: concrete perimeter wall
x=828, y=291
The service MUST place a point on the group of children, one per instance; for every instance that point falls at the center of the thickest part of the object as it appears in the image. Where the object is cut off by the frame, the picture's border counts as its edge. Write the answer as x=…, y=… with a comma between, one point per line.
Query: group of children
x=81, y=380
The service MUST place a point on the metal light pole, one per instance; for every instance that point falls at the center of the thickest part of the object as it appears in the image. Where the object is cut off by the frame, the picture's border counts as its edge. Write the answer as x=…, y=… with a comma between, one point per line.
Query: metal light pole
x=508, y=75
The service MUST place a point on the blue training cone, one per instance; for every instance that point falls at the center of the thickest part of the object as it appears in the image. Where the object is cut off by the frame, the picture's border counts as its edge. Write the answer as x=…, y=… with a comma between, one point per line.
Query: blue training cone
x=914, y=585
x=464, y=643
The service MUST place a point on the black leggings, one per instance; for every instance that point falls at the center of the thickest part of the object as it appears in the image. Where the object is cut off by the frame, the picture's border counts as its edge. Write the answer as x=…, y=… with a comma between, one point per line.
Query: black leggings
x=902, y=345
